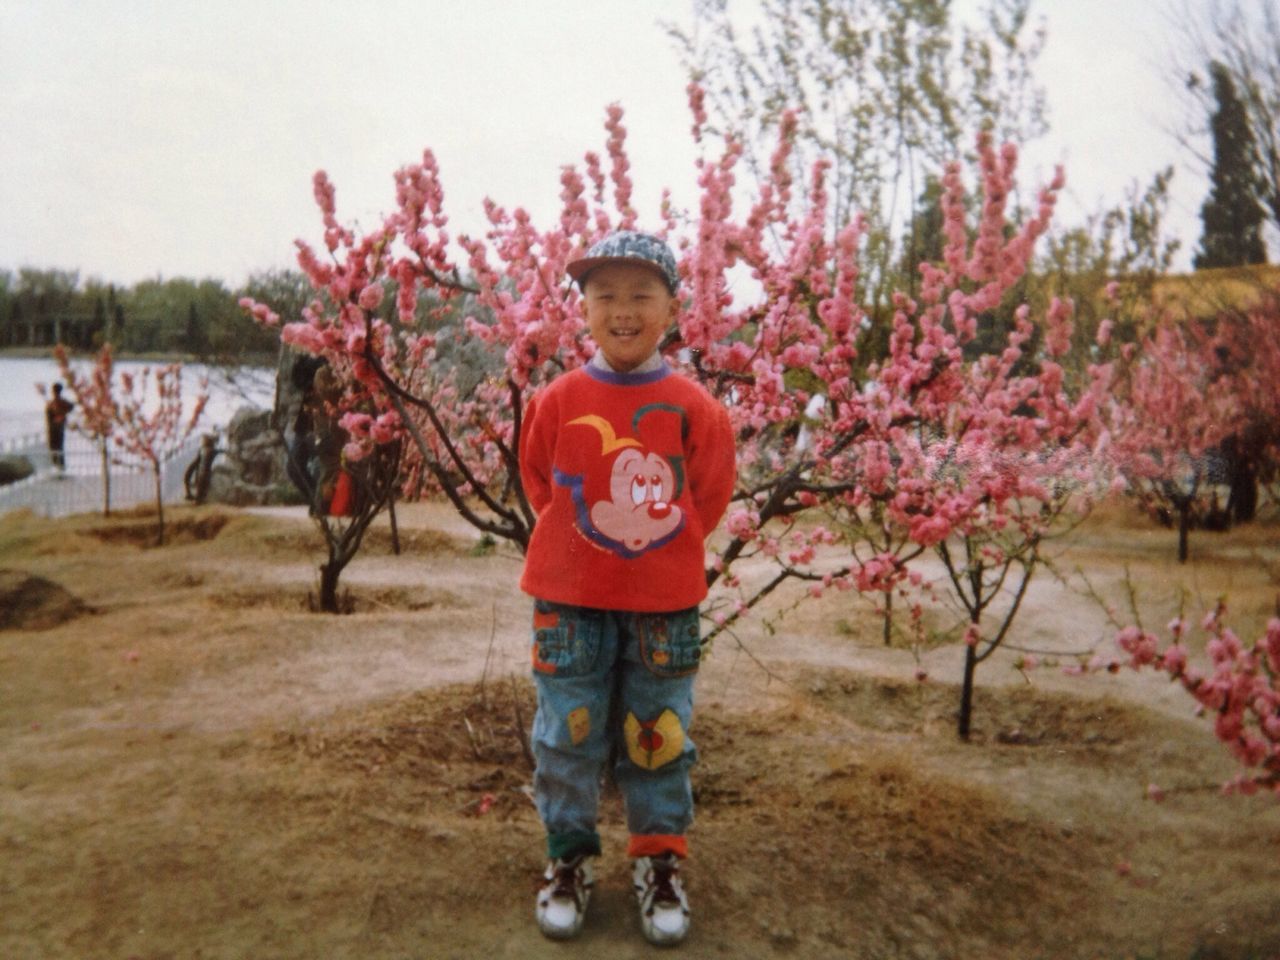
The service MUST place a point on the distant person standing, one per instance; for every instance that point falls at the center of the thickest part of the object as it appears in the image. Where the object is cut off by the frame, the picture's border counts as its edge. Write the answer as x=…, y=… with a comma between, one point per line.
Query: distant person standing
x=56, y=412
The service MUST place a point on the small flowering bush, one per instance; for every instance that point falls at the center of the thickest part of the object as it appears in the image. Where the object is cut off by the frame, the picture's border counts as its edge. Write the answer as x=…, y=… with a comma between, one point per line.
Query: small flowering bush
x=150, y=424
x=140, y=416
x=96, y=409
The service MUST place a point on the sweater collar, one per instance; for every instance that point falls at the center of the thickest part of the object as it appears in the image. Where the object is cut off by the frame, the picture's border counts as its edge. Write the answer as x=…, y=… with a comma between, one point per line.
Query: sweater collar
x=651, y=371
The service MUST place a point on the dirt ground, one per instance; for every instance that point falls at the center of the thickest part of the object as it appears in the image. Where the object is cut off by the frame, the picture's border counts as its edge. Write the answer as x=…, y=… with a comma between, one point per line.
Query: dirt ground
x=194, y=765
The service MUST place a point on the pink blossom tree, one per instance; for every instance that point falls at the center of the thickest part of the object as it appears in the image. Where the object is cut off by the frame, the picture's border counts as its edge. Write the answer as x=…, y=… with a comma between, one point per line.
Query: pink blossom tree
x=354, y=454
x=152, y=427
x=927, y=450
x=1167, y=413
x=933, y=450
x=1244, y=351
x=96, y=408
x=363, y=488
x=357, y=465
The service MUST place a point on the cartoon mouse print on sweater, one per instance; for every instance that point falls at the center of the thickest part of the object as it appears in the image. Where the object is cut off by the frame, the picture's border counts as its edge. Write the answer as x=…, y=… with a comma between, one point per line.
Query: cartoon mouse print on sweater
x=636, y=510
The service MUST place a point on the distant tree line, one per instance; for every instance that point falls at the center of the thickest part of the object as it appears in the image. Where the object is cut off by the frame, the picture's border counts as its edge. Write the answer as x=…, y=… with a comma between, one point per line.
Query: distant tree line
x=196, y=318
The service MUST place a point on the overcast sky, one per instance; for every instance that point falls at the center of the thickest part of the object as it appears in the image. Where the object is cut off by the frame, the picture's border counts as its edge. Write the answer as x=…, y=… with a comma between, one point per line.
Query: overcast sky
x=173, y=138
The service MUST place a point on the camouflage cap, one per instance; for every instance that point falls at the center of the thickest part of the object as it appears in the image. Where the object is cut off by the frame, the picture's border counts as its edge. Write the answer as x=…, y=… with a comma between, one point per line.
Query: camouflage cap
x=628, y=246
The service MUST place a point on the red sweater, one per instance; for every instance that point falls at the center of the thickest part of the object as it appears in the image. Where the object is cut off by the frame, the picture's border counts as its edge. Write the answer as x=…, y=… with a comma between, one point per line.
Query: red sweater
x=628, y=473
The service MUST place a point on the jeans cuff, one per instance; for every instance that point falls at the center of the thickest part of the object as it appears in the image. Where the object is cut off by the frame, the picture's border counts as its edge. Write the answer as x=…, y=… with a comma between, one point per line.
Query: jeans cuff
x=573, y=843
x=656, y=844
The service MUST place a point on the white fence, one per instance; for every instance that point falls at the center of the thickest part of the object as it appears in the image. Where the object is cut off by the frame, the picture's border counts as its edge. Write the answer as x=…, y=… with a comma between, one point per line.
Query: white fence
x=78, y=488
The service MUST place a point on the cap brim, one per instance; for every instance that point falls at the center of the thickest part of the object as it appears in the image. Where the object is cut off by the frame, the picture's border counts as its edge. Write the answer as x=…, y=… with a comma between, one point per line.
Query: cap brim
x=577, y=269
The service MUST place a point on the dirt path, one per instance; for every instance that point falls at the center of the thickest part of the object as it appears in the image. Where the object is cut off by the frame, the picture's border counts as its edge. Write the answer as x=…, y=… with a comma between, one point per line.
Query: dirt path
x=197, y=766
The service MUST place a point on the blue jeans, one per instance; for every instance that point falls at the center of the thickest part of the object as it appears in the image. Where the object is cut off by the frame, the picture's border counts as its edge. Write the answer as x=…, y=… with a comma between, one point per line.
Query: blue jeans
x=614, y=684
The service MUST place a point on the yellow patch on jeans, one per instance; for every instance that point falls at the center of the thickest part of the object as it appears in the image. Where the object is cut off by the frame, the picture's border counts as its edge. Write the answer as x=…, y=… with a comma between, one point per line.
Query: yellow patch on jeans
x=579, y=725
x=653, y=743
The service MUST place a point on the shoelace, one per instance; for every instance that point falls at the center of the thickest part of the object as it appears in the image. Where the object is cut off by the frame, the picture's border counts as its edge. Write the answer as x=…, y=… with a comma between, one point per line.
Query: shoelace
x=664, y=890
x=566, y=884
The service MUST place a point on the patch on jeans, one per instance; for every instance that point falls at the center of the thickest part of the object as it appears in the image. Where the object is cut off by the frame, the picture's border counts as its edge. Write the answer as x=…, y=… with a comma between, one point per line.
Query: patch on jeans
x=653, y=743
x=670, y=644
x=579, y=721
x=566, y=642
x=543, y=620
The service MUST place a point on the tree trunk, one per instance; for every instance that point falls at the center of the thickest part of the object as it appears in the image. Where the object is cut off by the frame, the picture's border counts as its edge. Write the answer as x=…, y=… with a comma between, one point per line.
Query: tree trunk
x=1184, y=531
x=106, y=479
x=395, y=527
x=1242, y=503
x=888, y=618
x=966, y=692
x=329, y=573
x=159, y=507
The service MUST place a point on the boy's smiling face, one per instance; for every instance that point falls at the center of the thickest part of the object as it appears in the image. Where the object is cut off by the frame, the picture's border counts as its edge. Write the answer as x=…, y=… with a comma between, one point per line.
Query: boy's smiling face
x=628, y=308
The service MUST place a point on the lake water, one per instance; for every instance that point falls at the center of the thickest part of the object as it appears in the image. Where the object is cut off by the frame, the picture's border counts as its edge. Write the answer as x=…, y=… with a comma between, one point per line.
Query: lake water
x=22, y=407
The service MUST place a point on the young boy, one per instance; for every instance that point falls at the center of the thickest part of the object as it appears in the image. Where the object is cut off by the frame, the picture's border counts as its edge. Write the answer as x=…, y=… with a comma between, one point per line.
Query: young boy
x=629, y=466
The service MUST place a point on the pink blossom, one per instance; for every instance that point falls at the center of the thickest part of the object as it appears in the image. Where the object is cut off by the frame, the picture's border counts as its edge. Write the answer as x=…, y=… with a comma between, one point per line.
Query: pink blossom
x=383, y=430
x=1058, y=327
x=697, y=106
x=742, y=524
x=1173, y=660
x=304, y=336
x=1271, y=643
x=1104, y=332
x=260, y=312
x=1242, y=692
x=1228, y=726
x=1140, y=645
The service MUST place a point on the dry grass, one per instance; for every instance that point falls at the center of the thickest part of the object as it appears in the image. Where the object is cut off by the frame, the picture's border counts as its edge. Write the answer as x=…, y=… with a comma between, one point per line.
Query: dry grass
x=203, y=768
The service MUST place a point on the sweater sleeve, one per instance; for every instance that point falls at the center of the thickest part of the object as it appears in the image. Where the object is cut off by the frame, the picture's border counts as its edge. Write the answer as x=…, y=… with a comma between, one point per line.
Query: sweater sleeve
x=535, y=456
x=713, y=468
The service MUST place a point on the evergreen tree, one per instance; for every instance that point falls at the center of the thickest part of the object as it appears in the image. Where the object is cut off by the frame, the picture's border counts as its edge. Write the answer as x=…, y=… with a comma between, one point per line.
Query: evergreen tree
x=1233, y=214
x=96, y=333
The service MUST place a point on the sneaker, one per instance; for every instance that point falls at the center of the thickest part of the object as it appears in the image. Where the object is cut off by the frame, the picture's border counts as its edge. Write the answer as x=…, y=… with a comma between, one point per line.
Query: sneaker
x=563, y=897
x=664, y=909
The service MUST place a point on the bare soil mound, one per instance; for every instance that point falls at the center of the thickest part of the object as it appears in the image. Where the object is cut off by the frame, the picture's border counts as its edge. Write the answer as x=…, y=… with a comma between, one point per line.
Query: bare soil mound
x=145, y=532
x=29, y=602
